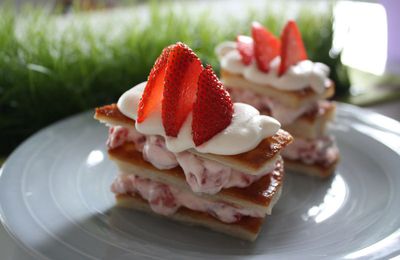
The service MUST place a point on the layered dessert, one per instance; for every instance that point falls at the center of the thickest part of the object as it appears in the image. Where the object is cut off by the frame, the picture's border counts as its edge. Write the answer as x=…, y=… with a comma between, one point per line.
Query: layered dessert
x=185, y=151
x=275, y=76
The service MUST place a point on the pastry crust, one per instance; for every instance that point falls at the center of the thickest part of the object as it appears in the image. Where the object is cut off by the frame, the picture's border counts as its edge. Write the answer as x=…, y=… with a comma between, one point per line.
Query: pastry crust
x=315, y=170
x=313, y=125
x=247, y=228
x=257, y=160
x=110, y=114
x=294, y=99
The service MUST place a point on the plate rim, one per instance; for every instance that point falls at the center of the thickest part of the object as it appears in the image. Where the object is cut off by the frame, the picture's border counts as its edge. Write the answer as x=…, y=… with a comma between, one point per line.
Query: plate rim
x=342, y=108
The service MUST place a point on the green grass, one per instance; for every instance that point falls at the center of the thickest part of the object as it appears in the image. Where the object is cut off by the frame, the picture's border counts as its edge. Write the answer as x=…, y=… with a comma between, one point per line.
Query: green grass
x=46, y=74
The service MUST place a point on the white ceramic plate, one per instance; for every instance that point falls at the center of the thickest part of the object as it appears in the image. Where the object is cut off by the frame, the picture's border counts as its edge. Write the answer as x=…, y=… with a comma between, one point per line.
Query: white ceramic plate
x=55, y=200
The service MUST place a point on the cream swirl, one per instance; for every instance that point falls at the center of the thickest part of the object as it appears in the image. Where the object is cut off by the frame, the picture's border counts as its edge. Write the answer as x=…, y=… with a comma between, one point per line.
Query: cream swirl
x=247, y=129
x=302, y=75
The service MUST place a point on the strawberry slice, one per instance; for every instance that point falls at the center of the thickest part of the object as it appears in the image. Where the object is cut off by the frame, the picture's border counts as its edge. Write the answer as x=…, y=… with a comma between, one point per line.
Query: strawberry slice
x=293, y=49
x=153, y=91
x=244, y=45
x=180, y=87
x=266, y=46
x=213, y=109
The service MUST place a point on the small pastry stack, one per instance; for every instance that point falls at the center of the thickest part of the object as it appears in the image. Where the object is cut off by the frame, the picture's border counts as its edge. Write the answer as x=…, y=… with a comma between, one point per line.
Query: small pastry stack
x=274, y=75
x=185, y=151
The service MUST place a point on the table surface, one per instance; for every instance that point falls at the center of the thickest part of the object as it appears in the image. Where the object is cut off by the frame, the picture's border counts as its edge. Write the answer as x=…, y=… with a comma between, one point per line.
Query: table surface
x=10, y=250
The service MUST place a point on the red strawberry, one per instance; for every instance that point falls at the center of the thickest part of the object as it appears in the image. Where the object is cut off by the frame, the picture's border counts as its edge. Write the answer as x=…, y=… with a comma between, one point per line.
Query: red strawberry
x=293, y=49
x=244, y=45
x=152, y=94
x=180, y=87
x=213, y=109
x=266, y=46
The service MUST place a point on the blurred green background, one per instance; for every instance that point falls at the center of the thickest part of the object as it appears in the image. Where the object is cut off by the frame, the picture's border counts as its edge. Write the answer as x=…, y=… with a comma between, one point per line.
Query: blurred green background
x=55, y=62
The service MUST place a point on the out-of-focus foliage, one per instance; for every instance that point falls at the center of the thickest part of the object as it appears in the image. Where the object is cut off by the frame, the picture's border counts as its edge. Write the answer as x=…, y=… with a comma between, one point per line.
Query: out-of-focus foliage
x=52, y=65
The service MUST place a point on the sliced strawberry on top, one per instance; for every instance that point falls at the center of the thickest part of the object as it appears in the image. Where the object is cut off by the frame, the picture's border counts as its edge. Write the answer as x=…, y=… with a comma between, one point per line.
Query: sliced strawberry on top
x=244, y=45
x=293, y=49
x=153, y=91
x=180, y=87
x=266, y=46
x=213, y=109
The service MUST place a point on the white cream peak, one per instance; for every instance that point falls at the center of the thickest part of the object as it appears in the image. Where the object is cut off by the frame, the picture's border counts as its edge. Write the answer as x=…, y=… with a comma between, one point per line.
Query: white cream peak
x=247, y=129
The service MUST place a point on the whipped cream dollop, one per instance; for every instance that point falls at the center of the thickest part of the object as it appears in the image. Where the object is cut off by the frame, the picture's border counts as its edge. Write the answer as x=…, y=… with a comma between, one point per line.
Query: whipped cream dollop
x=247, y=129
x=302, y=75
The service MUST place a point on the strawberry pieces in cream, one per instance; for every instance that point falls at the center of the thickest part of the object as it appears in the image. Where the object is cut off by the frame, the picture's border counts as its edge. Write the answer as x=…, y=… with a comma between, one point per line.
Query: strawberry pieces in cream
x=166, y=200
x=202, y=175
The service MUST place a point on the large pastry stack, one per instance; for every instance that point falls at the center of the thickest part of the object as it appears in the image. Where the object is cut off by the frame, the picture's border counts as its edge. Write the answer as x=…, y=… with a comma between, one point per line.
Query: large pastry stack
x=185, y=151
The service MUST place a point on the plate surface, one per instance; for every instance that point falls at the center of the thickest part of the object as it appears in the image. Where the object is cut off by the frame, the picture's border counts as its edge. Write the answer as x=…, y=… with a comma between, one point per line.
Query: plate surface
x=55, y=201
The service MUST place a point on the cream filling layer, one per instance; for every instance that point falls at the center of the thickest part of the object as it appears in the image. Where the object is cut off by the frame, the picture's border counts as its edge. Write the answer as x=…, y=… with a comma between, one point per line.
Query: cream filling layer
x=166, y=200
x=284, y=114
x=312, y=151
x=202, y=175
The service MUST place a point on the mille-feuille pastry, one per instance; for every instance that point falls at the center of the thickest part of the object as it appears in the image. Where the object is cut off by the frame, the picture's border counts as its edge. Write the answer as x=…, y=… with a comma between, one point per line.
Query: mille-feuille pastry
x=185, y=151
x=275, y=76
